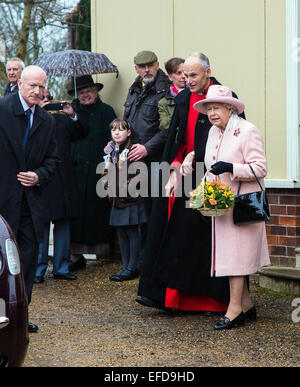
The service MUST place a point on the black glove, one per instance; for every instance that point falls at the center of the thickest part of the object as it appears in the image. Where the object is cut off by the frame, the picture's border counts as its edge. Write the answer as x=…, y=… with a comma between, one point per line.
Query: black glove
x=221, y=167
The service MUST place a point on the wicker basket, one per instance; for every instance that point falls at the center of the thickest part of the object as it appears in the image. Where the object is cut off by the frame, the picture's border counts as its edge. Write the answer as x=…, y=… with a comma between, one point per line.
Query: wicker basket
x=210, y=211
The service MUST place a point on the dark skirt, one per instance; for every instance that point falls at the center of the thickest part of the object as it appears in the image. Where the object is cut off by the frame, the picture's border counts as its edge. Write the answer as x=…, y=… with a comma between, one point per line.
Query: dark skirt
x=178, y=254
x=128, y=216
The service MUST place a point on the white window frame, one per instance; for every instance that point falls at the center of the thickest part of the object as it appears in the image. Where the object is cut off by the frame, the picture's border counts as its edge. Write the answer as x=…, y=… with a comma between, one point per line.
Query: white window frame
x=292, y=99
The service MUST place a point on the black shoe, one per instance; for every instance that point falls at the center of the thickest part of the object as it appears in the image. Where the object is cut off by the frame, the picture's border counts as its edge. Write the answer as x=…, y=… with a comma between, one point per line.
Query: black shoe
x=32, y=327
x=148, y=302
x=39, y=279
x=226, y=323
x=131, y=274
x=250, y=315
x=67, y=276
x=78, y=265
x=116, y=277
x=124, y=276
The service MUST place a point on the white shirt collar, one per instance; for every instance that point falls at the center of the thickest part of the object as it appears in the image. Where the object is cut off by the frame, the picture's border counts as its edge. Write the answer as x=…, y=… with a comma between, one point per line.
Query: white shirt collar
x=25, y=105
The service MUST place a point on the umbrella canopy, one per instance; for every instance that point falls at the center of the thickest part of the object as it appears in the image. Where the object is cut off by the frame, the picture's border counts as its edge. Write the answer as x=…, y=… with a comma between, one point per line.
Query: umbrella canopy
x=75, y=63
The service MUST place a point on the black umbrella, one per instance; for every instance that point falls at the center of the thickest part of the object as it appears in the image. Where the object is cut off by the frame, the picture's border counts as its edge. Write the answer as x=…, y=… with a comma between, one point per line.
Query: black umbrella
x=75, y=63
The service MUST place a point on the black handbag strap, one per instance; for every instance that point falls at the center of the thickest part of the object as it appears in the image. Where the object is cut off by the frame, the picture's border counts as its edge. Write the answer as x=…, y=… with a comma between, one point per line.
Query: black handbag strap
x=240, y=183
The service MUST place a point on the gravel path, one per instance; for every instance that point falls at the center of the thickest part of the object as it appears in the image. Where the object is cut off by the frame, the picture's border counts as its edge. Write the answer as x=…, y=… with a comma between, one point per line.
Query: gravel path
x=93, y=322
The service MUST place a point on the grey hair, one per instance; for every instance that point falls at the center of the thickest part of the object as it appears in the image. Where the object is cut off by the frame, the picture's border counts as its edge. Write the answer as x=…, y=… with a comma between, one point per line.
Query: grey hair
x=21, y=63
x=203, y=59
x=231, y=107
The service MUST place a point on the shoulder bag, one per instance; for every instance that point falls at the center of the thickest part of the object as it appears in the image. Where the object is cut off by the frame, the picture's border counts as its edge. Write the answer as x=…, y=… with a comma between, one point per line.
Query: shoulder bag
x=251, y=207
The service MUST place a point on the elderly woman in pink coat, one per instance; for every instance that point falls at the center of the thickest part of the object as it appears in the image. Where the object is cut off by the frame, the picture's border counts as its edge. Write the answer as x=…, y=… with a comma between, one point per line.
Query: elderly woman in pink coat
x=237, y=250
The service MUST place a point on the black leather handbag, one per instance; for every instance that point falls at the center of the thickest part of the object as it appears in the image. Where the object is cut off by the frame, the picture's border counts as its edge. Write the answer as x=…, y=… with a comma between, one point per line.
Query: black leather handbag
x=251, y=207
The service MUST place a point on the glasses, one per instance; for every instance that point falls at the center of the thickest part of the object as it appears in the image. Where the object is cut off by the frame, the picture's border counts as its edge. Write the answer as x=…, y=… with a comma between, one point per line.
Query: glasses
x=47, y=97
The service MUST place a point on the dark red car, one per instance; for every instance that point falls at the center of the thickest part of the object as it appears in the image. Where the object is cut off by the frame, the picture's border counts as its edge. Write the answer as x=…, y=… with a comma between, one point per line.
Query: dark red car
x=14, y=338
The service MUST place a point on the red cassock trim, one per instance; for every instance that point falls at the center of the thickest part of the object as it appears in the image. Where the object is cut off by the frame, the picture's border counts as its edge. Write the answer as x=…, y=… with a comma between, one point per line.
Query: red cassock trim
x=192, y=302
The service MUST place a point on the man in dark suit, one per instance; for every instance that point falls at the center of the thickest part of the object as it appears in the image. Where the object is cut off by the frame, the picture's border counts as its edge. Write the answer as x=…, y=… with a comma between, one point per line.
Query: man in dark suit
x=27, y=162
x=14, y=68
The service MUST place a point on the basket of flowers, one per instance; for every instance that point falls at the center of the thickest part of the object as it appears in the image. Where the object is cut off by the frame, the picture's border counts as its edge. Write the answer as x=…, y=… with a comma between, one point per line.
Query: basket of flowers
x=212, y=198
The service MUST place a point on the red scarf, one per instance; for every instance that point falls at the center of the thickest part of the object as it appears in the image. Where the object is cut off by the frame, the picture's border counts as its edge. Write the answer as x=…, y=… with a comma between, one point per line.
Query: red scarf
x=174, y=89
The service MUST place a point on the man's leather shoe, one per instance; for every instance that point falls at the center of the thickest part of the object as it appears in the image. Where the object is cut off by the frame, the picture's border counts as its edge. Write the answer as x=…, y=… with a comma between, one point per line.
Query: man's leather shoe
x=78, y=265
x=32, y=327
x=145, y=301
x=39, y=279
x=67, y=276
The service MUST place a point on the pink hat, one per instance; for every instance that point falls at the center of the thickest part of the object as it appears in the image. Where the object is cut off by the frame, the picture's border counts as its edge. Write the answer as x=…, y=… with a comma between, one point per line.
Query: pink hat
x=219, y=94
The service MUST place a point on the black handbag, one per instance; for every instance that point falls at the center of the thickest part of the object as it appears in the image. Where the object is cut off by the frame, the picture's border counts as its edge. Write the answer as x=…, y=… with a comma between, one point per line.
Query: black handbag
x=251, y=207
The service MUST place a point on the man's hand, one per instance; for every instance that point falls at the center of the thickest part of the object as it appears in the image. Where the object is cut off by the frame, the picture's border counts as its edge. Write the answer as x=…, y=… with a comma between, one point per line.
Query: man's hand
x=28, y=179
x=187, y=165
x=137, y=152
x=172, y=184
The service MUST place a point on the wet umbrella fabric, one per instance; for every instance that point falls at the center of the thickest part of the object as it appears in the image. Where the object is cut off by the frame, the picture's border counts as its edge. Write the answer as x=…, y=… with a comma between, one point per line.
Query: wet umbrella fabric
x=75, y=63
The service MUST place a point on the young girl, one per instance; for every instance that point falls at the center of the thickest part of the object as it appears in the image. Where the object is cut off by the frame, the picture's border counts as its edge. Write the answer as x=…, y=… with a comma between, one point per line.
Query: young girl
x=127, y=212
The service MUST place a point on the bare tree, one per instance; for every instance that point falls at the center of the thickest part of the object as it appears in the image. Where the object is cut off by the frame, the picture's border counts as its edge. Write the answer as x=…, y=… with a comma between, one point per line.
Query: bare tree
x=31, y=27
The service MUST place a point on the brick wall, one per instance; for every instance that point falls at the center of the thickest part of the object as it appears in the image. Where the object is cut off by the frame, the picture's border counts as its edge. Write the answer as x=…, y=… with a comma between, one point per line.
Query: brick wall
x=283, y=230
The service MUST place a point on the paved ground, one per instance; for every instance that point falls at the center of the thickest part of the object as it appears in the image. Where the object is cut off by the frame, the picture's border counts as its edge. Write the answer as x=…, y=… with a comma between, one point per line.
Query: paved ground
x=94, y=322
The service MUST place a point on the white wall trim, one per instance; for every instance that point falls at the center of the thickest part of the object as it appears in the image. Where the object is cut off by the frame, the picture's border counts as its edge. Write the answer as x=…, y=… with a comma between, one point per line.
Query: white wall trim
x=281, y=183
x=292, y=90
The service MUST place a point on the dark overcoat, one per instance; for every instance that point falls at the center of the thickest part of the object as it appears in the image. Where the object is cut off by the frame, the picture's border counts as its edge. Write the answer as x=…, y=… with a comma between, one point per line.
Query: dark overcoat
x=61, y=196
x=178, y=251
x=7, y=90
x=141, y=113
x=40, y=157
x=92, y=227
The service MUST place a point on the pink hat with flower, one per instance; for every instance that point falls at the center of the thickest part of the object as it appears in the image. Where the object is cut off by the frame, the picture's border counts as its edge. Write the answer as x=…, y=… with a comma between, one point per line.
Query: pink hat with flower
x=219, y=94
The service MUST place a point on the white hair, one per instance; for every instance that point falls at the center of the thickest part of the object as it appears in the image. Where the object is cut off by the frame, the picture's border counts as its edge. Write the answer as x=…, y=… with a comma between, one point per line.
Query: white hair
x=231, y=107
x=21, y=63
x=203, y=59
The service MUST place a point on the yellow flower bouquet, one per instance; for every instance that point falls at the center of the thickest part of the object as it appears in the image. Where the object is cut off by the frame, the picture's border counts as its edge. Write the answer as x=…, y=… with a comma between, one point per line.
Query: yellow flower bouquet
x=212, y=198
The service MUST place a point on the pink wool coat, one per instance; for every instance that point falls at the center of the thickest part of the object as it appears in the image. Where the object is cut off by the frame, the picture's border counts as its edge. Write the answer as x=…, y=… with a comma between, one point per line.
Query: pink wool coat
x=238, y=249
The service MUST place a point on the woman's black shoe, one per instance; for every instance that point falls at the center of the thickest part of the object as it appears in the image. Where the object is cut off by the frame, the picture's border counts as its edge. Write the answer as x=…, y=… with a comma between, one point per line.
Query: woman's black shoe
x=125, y=275
x=250, y=315
x=226, y=323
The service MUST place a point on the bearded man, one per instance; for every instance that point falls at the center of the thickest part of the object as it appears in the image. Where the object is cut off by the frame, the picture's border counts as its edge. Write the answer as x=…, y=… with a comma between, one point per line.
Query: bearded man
x=141, y=113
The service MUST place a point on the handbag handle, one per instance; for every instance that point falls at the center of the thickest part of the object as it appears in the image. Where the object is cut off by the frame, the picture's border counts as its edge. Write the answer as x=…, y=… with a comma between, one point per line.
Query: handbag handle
x=240, y=183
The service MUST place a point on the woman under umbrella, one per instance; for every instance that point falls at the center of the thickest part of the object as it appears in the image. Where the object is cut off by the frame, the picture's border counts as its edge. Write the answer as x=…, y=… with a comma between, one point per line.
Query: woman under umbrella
x=91, y=232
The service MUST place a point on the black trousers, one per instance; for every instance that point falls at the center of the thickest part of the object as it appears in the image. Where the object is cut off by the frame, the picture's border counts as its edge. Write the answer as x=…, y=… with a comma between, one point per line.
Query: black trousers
x=28, y=247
